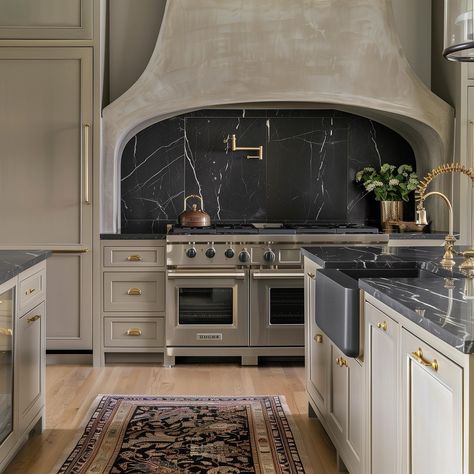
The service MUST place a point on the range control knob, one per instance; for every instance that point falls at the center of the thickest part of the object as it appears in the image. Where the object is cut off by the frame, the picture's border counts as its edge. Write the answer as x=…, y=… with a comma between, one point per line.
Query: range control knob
x=211, y=252
x=229, y=253
x=191, y=252
x=269, y=256
x=244, y=256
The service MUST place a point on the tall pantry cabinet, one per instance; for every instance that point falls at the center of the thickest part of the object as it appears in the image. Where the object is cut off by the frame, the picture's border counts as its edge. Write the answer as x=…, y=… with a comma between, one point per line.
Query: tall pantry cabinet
x=49, y=129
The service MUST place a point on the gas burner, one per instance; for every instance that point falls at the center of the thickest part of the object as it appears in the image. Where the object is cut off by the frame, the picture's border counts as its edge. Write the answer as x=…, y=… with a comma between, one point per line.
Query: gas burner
x=275, y=229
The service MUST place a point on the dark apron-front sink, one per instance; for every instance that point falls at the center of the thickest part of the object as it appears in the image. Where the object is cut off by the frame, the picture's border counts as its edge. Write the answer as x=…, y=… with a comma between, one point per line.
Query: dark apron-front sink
x=338, y=302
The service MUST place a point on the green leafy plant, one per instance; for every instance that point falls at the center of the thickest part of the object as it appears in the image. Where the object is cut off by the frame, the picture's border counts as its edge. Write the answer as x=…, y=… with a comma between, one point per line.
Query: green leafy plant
x=389, y=183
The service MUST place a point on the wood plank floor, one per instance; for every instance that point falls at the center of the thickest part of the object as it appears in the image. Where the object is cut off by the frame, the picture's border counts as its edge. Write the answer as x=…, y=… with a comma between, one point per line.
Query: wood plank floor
x=71, y=390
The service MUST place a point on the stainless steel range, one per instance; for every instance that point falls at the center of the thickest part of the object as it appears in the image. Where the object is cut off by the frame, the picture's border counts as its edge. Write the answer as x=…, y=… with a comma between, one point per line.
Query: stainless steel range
x=237, y=290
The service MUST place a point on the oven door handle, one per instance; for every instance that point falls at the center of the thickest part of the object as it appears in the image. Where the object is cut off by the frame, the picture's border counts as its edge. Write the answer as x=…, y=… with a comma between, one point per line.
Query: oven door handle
x=239, y=275
x=277, y=275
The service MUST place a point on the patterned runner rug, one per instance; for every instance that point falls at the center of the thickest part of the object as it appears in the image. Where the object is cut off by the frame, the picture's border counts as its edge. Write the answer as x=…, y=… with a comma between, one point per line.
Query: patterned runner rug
x=171, y=435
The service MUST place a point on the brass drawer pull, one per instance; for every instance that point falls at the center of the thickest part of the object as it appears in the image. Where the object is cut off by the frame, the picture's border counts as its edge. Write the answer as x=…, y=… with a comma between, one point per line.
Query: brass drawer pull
x=34, y=318
x=382, y=326
x=134, y=292
x=418, y=355
x=134, y=332
x=134, y=258
x=6, y=332
x=311, y=275
x=318, y=338
x=341, y=362
x=29, y=291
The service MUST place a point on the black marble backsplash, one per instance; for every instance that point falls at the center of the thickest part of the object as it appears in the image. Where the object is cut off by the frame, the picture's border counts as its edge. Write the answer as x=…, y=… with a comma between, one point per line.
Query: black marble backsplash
x=307, y=173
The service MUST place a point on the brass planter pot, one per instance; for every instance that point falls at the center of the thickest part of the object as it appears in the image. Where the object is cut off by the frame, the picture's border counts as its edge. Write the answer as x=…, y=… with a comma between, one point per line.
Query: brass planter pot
x=390, y=211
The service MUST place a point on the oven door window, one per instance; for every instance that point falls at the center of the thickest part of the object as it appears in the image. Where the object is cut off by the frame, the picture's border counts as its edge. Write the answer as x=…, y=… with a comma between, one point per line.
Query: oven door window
x=286, y=306
x=206, y=306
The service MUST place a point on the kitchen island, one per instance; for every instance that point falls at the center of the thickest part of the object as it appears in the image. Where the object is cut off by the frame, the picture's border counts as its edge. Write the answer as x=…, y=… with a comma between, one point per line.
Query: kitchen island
x=22, y=347
x=403, y=404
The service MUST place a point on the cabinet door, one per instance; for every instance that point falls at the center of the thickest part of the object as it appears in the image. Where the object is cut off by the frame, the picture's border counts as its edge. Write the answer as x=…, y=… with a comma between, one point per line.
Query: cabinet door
x=432, y=414
x=30, y=364
x=337, y=395
x=45, y=170
x=46, y=19
x=382, y=356
x=317, y=344
x=69, y=301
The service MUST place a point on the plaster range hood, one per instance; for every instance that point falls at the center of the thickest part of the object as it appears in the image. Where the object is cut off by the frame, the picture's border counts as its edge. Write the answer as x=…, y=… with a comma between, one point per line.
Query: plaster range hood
x=341, y=54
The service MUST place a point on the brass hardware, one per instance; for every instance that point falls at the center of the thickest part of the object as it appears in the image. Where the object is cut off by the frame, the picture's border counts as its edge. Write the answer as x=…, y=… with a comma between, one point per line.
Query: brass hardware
x=134, y=292
x=6, y=332
x=65, y=251
x=34, y=318
x=341, y=362
x=258, y=149
x=29, y=291
x=311, y=275
x=318, y=338
x=134, y=332
x=418, y=355
x=382, y=326
x=134, y=258
x=86, y=129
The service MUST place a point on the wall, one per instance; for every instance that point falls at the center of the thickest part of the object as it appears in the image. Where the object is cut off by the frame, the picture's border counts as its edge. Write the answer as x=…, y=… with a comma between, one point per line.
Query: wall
x=134, y=27
x=307, y=174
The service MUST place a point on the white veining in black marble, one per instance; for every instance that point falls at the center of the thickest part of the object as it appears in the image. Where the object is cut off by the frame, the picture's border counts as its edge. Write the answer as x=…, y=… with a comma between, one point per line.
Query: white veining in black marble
x=310, y=159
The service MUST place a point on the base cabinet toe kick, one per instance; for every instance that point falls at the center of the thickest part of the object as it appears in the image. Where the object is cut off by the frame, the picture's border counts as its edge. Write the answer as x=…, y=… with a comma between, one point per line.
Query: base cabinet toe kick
x=403, y=406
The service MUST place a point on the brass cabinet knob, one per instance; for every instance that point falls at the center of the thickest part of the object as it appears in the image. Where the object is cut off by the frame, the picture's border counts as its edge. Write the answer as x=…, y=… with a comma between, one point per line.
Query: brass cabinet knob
x=341, y=362
x=34, y=318
x=134, y=292
x=29, y=291
x=311, y=275
x=382, y=326
x=134, y=258
x=318, y=338
x=134, y=332
x=418, y=356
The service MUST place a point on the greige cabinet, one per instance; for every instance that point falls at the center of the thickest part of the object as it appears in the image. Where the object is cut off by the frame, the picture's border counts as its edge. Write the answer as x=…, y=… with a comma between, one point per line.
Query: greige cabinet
x=335, y=384
x=46, y=135
x=46, y=19
x=317, y=346
x=22, y=363
x=432, y=388
x=133, y=297
x=383, y=381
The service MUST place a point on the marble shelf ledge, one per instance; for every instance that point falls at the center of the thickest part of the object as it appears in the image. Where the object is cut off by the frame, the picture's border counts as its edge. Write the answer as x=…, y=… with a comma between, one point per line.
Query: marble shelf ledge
x=13, y=262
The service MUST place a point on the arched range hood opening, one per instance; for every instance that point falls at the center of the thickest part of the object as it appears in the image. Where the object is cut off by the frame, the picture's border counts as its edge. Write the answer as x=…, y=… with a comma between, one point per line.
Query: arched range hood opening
x=297, y=167
x=342, y=55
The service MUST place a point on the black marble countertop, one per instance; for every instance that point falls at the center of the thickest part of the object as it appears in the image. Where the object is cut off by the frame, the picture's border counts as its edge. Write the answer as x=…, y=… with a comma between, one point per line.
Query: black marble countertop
x=434, y=300
x=13, y=262
x=436, y=304
x=132, y=236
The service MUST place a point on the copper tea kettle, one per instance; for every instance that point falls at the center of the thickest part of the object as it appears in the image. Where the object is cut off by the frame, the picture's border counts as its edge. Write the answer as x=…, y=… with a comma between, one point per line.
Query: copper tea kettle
x=194, y=217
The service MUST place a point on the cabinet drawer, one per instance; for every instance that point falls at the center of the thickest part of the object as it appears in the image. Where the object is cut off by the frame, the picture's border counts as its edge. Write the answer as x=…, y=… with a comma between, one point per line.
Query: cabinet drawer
x=134, y=332
x=32, y=289
x=134, y=256
x=139, y=291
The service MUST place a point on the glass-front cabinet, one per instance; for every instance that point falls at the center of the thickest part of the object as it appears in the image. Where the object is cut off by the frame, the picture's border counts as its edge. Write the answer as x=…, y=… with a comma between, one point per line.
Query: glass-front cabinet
x=7, y=319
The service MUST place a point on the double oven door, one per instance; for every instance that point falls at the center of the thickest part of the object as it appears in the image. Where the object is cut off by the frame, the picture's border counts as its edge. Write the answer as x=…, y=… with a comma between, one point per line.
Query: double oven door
x=208, y=308
x=276, y=308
